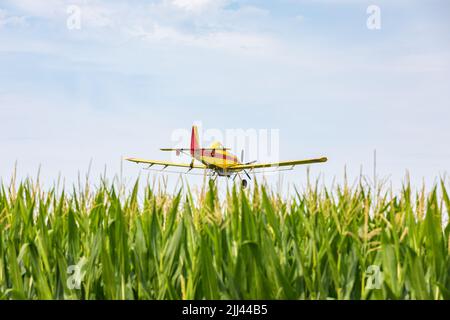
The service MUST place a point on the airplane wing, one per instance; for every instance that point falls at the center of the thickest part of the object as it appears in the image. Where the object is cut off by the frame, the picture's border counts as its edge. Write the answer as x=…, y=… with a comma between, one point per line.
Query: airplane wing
x=276, y=164
x=190, y=149
x=166, y=164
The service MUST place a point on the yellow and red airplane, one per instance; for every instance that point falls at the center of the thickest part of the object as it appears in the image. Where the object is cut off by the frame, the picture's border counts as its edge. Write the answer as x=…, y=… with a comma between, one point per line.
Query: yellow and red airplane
x=219, y=161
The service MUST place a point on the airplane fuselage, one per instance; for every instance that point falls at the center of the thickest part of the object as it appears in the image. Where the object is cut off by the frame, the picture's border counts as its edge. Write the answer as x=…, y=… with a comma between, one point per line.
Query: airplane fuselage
x=217, y=158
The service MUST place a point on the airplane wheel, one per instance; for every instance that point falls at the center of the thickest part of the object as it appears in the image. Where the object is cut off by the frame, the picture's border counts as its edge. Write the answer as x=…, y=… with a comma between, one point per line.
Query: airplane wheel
x=244, y=183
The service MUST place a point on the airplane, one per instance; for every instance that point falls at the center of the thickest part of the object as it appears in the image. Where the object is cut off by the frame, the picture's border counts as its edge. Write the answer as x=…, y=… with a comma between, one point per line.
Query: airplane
x=219, y=161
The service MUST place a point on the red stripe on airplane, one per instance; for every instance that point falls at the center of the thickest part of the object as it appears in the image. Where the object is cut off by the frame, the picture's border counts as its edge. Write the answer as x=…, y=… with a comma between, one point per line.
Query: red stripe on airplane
x=207, y=153
x=194, y=142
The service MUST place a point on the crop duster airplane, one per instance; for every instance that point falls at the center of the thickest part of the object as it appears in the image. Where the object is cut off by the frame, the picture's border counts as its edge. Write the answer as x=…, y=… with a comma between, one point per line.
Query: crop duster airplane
x=217, y=160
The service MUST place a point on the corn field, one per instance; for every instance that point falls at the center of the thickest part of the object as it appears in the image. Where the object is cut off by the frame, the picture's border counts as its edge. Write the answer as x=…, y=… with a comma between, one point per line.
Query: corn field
x=344, y=243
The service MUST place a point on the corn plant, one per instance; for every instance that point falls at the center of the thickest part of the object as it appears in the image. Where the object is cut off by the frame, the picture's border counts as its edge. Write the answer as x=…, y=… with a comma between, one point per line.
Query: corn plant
x=343, y=243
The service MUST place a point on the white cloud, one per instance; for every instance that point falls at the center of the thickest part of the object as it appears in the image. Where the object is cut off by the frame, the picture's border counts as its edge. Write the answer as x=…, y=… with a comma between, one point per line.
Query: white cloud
x=198, y=23
x=11, y=20
x=98, y=16
x=249, y=43
x=197, y=5
x=93, y=13
x=40, y=8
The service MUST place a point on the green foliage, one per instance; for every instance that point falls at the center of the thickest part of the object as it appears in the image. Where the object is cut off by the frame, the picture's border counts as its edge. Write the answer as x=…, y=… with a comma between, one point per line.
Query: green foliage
x=251, y=244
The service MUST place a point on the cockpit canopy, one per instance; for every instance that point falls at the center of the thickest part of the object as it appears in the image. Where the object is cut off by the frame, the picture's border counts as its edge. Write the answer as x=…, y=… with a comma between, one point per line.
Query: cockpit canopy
x=216, y=145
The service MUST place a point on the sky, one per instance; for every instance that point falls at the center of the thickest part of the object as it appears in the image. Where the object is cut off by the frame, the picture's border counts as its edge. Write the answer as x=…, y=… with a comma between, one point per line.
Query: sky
x=135, y=73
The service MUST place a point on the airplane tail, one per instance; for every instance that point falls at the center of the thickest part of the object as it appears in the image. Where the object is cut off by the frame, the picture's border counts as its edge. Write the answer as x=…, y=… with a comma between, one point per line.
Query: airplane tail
x=195, y=143
x=195, y=149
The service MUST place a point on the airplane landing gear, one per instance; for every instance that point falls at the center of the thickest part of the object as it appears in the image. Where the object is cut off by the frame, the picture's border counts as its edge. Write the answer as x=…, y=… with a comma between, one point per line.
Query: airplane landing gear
x=243, y=181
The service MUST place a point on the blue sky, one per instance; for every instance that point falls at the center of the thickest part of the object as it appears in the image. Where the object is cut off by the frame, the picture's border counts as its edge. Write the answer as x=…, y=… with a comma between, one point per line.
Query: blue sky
x=138, y=70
